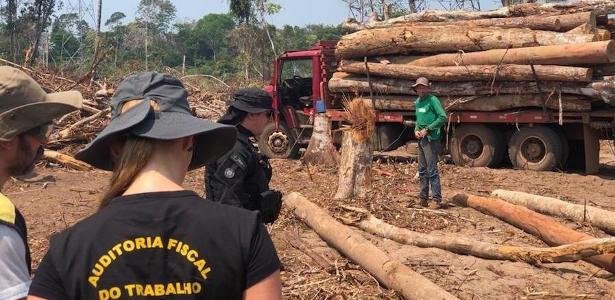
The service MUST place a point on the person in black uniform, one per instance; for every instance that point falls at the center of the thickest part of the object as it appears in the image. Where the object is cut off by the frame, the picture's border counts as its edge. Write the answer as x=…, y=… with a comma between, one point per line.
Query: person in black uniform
x=241, y=176
x=152, y=238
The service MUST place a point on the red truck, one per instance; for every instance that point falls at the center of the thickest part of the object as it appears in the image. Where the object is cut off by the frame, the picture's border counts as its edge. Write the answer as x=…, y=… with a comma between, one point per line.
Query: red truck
x=528, y=138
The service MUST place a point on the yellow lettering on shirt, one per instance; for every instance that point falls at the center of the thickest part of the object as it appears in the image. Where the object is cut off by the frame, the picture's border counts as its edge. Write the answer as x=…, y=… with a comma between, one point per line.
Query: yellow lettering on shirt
x=151, y=290
x=182, y=248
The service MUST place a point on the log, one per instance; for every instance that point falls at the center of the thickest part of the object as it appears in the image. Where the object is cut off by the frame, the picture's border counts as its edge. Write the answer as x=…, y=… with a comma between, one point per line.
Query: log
x=583, y=28
x=360, y=85
x=392, y=273
x=565, y=22
x=437, y=39
x=320, y=150
x=602, y=52
x=606, y=89
x=600, y=7
x=570, y=103
x=545, y=228
x=597, y=217
x=347, y=84
x=461, y=245
x=505, y=72
x=66, y=160
x=603, y=35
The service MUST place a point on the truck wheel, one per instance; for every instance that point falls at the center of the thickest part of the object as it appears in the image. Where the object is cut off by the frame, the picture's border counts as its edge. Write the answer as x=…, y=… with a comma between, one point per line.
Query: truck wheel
x=536, y=148
x=278, y=143
x=475, y=146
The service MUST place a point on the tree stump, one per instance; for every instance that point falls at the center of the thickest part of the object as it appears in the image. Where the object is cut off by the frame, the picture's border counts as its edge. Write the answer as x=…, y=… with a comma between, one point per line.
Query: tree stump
x=355, y=167
x=354, y=172
x=320, y=150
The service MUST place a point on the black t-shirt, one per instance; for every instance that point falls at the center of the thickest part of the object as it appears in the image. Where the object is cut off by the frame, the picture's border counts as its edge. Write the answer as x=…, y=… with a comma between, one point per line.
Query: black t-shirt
x=158, y=245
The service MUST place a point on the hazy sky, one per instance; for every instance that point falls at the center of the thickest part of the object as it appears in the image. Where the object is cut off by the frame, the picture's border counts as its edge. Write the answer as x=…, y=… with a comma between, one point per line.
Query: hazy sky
x=294, y=12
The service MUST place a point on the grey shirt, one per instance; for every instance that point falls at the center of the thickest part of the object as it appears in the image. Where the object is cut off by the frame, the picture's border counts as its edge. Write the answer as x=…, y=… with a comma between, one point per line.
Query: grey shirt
x=14, y=277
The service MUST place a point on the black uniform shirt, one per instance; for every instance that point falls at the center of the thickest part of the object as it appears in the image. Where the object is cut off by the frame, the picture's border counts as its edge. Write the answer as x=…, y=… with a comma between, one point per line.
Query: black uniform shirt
x=173, y=245
x=240, y=176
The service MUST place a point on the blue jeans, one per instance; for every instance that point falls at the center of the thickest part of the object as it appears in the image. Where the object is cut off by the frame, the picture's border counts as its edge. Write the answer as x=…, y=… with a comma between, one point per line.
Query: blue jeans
x=428, y=169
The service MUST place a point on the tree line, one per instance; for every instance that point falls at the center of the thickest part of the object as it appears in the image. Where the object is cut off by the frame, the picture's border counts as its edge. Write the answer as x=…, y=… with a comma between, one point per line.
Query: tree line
x=236, y=44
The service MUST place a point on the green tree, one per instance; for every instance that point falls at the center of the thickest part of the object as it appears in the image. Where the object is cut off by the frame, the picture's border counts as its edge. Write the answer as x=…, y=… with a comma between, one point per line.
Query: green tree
x=211, y=35
x=117, y=33
x=155, y=17
x=156, y=14
x=64, y=43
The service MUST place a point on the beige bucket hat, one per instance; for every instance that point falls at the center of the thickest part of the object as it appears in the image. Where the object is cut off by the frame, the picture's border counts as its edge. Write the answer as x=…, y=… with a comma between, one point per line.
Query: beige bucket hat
x=25, y=105
x=421, y=81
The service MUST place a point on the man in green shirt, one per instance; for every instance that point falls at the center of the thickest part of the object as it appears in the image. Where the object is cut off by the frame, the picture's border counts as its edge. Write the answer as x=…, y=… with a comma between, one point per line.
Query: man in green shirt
x=430, y=116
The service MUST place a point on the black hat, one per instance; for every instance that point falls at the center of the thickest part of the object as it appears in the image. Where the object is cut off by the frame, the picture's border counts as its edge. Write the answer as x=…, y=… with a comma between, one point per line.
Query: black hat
x=252, y=100
x=161, y=112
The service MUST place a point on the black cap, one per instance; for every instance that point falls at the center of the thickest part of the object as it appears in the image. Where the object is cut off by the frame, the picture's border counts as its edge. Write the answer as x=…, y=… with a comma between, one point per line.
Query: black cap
x=161, y=112
x=252, y=100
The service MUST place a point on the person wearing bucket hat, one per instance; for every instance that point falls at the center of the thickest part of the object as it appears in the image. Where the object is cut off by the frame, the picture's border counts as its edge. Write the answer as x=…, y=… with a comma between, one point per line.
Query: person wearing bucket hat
x=241, y=177
x=26, y=115
x=151, y=237
x=430, y=116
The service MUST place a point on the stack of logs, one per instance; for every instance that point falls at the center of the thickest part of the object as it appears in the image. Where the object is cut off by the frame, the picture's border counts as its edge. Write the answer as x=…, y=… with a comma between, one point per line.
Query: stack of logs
x=552, y=56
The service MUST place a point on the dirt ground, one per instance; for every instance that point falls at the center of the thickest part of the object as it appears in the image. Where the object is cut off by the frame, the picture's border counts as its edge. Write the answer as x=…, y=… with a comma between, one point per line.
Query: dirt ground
x=56, y=198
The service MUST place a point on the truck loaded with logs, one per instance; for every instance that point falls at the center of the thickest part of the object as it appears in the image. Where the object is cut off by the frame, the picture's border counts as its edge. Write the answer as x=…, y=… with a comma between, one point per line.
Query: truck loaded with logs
x=532, y=83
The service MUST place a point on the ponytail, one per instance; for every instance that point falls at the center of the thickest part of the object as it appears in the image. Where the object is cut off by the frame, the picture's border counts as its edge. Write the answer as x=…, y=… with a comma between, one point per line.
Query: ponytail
x=136, y=153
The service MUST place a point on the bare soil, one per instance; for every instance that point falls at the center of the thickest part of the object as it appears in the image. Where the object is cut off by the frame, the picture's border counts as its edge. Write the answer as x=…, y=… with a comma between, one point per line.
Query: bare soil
x=56, y=198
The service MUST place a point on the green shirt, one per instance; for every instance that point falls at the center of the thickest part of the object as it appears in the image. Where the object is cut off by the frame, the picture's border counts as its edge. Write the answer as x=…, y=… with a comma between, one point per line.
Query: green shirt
x=430, y=115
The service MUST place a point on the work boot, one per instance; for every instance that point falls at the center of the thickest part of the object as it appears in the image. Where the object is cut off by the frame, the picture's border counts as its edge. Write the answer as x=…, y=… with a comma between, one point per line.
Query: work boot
x=423, y=202
x=436, y=205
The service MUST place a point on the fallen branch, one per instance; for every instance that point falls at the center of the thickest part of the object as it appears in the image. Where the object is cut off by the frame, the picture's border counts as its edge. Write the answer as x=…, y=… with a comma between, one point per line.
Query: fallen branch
x=545, y=228
x=388, y=271
x=66, y=160
x=66, y=133
x=600, y=218
x=532, y=255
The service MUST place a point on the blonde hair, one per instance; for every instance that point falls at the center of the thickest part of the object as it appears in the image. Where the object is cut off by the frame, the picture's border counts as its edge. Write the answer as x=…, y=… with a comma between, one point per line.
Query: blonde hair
x=135, y=154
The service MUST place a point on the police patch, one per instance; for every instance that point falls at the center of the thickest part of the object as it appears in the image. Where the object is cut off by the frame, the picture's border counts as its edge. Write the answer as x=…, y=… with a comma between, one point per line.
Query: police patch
x=229, y=173
x=237, y=159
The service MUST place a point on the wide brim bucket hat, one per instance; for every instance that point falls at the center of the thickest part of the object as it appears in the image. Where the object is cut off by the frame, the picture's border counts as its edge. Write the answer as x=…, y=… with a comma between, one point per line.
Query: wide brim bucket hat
x=161, y=112
x=25, y=105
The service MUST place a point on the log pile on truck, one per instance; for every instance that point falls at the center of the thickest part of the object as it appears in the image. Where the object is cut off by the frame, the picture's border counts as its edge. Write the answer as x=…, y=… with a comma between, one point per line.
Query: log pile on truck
x=555, y=57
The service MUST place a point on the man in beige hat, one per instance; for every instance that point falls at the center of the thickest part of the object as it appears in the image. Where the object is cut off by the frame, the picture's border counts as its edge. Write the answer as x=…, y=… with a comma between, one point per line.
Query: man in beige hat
x=26, y=115
x=430, y=116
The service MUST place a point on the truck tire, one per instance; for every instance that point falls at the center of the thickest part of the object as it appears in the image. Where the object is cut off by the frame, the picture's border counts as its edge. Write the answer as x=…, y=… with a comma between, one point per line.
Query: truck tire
x=536, y=148
x=476, y=146
x=278, y=143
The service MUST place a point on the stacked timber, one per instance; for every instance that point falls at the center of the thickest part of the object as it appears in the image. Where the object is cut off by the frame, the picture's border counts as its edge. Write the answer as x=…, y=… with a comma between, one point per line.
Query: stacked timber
x=551, y=56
